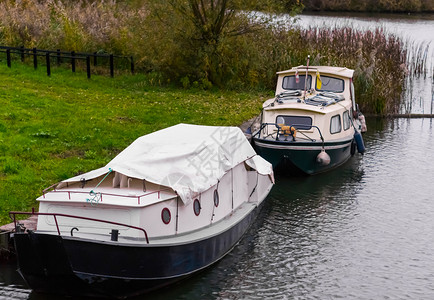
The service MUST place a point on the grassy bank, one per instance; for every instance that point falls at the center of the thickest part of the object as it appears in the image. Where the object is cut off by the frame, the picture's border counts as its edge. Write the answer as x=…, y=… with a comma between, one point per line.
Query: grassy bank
x=52, y=128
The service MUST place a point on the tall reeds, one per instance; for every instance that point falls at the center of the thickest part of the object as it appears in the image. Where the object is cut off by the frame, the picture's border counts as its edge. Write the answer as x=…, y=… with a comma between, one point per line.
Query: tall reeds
x=379, y=60
x=106, y=25
x=370, y=5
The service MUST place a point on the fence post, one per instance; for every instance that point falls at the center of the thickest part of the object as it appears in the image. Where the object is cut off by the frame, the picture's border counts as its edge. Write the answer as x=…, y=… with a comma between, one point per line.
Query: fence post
x=95, y=63
x=59, y=61
x=35, y=59
x=132, y=65
x=8, y=57
x=22, y=53
x=88, y=66
x=47, y=58
x=111, y=66
x=73, y=61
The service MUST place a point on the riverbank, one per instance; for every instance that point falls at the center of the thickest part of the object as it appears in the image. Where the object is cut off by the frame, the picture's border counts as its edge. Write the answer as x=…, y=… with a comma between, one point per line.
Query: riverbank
x=52, y=128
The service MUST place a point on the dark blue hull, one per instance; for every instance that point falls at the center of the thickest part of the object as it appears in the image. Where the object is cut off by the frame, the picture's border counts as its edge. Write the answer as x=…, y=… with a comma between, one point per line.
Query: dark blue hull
x=301, y=157
x=67, y=265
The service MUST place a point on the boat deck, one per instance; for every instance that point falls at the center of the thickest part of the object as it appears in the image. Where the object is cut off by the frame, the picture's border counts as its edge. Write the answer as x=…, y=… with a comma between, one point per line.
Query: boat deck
x=111, y=196
x=29, y=223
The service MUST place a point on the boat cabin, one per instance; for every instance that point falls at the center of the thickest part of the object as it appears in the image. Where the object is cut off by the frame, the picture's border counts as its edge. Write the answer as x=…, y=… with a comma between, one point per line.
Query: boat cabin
x=311, y=102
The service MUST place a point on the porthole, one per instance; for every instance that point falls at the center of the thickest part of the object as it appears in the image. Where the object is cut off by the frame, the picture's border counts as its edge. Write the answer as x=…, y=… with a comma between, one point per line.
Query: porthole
x=196, y=207
x=165, y=215
x=216, y=198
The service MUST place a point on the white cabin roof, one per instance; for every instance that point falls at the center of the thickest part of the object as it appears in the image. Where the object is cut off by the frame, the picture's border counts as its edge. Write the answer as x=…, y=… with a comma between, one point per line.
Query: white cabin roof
x=187, y=158
x=339, y=71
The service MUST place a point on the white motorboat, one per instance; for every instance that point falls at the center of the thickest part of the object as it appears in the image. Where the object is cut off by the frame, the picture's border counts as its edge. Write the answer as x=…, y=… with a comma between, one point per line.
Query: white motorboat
x=313, y=124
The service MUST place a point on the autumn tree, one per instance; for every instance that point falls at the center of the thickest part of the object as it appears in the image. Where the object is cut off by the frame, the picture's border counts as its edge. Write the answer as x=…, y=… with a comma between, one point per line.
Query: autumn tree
x=201, y=34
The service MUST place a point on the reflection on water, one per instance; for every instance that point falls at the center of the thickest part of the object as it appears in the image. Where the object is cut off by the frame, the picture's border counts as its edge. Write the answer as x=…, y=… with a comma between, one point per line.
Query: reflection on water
x=363, y=231
x=11, y=284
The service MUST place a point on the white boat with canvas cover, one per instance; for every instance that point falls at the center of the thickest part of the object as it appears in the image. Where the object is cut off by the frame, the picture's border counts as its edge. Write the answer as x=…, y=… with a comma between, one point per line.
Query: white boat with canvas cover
x=172, y=203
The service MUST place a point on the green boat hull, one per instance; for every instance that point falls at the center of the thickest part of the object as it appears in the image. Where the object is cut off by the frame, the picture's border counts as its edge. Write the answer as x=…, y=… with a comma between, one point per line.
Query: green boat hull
x=296, y=157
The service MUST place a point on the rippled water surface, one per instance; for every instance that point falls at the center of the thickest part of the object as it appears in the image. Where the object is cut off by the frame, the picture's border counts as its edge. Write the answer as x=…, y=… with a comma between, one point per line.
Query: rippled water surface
x=363, y=231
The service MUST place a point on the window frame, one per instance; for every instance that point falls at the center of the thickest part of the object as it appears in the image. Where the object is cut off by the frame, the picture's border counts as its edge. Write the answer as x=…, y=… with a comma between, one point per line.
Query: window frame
x=333, y=91
x=164, y=213
x=309, y=80
x=301, y=117
x=340, y=124
x=196, y=207
x=346, y=113
x=216, y=198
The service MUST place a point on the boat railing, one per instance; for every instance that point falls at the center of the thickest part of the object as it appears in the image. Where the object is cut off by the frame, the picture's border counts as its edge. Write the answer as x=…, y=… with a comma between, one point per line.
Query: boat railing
x=13, y=215
x=264, y=128
x=101, y=194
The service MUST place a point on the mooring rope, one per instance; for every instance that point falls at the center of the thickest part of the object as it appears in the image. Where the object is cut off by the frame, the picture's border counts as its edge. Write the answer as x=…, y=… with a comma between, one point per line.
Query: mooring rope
x=95, y=197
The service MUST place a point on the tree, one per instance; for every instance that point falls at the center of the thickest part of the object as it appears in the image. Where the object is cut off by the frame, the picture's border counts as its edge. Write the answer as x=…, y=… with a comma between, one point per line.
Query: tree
x=201, y=30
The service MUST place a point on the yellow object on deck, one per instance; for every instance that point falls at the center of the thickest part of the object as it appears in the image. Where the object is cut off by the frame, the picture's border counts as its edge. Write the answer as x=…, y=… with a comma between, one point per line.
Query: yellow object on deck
x=288, y=130
x=318, y=80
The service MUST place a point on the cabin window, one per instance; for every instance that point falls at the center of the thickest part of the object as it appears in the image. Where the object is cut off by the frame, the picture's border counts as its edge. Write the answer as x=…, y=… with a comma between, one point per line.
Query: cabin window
x=292, y=83
x=299, y=122
x=165, y=215
x=331, y=84
x=196, y=207
x=216, y=198
x=335, y=124
x=347, y=121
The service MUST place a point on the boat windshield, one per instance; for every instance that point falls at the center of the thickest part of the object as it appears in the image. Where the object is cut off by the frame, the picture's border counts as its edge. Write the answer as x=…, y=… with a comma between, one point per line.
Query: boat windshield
x=299, y=122
x=292, y=83
x=331, y=84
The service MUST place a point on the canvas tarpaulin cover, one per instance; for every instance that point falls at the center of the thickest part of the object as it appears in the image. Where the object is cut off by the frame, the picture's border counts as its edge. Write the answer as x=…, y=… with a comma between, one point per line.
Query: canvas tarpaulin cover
x=187, y=158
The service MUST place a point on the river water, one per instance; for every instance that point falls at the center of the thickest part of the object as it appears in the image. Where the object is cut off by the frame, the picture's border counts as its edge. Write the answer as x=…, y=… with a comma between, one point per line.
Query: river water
x=362, y=231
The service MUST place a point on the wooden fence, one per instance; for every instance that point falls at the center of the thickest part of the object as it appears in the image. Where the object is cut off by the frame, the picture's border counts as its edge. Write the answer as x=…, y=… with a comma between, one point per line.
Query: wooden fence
x=60, y=57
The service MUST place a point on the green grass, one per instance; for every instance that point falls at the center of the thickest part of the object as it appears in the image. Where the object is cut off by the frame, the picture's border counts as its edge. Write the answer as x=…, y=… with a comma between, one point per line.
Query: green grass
x=52, y=128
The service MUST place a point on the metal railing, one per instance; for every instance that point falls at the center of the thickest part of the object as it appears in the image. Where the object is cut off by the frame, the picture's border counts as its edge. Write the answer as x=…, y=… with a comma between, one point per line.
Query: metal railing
x=108, y=194
x=59, y=57
x=13, y=215
x=280, y=131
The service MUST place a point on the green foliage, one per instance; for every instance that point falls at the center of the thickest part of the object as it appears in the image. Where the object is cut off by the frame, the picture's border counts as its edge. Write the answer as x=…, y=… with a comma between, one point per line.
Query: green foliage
x=185, y=82
x=10, y=166
x=53, y=128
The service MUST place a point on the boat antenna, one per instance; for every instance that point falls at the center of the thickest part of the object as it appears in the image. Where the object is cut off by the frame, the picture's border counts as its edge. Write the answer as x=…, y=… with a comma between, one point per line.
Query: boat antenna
x=305, y=79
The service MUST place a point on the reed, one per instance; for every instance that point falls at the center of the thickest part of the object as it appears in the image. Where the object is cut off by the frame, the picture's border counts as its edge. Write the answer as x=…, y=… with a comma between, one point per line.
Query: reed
x=87, y=26
x=417, y=58
x=369, y=5
x=379, y=60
